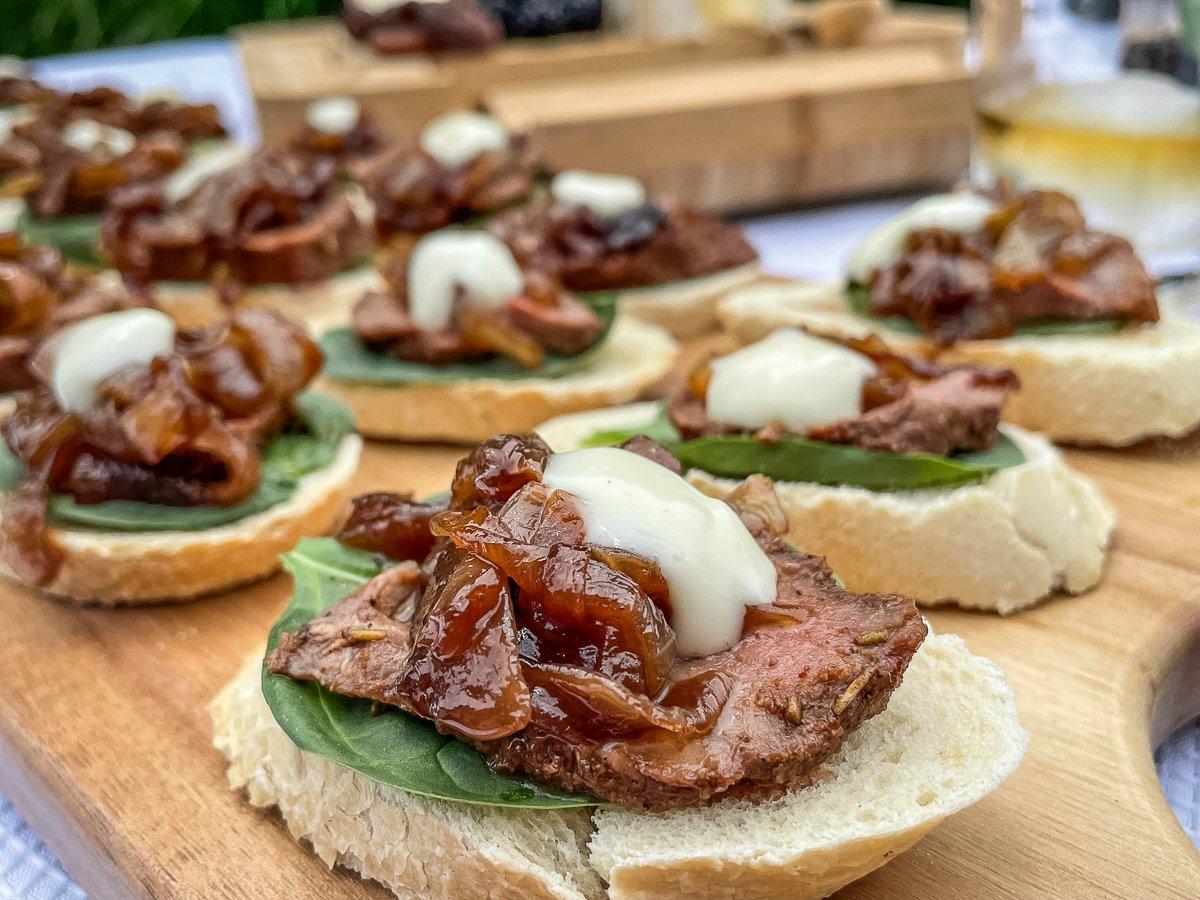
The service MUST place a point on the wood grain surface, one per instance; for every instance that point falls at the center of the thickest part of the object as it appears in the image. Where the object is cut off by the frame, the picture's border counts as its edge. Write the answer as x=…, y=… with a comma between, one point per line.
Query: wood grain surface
x=733, y=122
x=105, y=738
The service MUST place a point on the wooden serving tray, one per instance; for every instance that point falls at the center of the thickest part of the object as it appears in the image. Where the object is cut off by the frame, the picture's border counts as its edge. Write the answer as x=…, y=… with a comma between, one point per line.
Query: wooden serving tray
x=736, y=122
x=105, y=737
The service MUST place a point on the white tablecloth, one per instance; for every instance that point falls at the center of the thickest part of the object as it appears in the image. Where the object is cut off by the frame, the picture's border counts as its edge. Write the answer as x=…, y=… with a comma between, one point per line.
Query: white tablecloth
x=813, y=243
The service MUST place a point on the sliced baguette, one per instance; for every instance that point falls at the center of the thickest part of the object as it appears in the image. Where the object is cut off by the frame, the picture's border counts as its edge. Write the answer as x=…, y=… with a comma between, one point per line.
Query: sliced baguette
x=688, y=308
x=949, y=736
x=108, y=569
x=634, y=356
x=1110, y=390
x=318, y=306
x=1000, y=545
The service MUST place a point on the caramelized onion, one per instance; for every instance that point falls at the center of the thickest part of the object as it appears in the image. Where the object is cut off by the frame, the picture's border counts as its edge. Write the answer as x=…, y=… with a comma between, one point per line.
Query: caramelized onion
x=463, y=671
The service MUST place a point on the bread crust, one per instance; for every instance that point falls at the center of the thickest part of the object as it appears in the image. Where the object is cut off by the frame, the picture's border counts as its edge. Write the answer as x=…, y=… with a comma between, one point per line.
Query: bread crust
x=687, y=309
x=949, y=736
x=1109, y=390
x=319, y=306
x=415, y=846
x=107, y=569
x=999, y=545
x=634, y=356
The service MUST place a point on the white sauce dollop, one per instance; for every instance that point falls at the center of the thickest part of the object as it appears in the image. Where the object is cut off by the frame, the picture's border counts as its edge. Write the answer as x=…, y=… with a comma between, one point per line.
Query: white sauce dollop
x=445, y=260
x=789, y=377
x=333, y=115
x=97, y=348
x=607, y=196
x=961, y=212
x=376, y=7
x=85, y=135
x=202, y=166
x=457, y=138
x=713, y=566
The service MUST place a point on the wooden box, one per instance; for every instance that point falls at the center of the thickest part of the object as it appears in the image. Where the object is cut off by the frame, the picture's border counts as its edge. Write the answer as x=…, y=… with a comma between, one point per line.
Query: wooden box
x=736, y=122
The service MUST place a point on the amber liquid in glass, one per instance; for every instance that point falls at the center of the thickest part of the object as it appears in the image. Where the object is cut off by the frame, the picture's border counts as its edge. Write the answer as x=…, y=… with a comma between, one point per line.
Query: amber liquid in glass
x=1128, y=147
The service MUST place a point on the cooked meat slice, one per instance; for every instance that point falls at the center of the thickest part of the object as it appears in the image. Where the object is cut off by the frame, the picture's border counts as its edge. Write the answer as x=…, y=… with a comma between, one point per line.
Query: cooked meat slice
x=752, y=721
x=360, y=645
x=954, y=412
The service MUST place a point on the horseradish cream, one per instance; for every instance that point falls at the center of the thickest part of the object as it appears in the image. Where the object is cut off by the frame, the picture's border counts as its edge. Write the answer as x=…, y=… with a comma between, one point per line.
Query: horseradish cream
x=457, y=138
x=446, y=260
x=960, y=212
x=333, y=115
x=85, y=135
x=375, y=7
x=95, y=349
x=201, y=166
x=713, y=566
x=606, y=196
x=789, y=377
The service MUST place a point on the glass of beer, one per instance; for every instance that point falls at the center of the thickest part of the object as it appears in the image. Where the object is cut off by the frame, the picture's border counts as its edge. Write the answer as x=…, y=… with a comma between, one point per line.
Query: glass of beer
x=1098, y=98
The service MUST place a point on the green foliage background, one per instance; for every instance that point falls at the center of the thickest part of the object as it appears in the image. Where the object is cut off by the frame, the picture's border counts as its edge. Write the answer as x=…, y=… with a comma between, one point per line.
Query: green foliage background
x=32, y=28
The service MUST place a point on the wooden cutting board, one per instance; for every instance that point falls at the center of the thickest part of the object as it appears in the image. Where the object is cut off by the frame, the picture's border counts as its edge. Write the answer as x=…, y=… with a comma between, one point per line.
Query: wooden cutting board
x=104, y=733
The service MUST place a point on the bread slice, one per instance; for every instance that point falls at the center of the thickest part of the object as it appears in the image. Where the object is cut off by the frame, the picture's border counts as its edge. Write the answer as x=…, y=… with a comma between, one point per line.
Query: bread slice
x=949, y=736
x=109, y=569
x=634, y=356
x=318, y=306
x=1000, y=545
x=1110, y=390
x=688, y=308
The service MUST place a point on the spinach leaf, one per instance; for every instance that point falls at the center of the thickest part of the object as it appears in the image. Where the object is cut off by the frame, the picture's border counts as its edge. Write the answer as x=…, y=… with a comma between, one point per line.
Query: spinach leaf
x=77, y=238
x=657, y=429
x=860, y=304
x=393, y=748
x=348, y=359
x=818, y=462
x=311, y=443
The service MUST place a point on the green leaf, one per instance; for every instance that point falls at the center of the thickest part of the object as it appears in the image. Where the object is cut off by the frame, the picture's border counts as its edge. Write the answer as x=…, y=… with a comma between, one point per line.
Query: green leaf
x=818, y=462
x=77, y=238
x=311, y=444
x=657, y=429
x=393, y=748
x=347, y=359
x=858, y=300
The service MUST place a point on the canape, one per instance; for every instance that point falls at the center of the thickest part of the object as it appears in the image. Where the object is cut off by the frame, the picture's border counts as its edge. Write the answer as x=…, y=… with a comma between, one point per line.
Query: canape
x=401, y=27
x=669, y=264
x=461, y=342
x=64, y=154
x=340, y=128
x=456, y=685
x=144, y=455
x=894, y=469
x=1023, y=284
x=279, y=230
x=465, y=167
